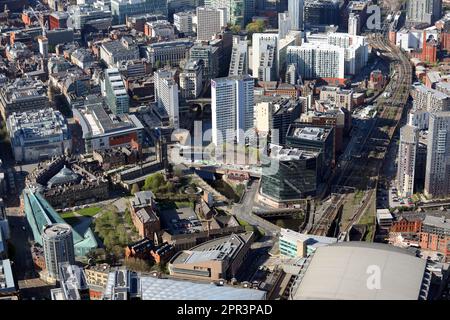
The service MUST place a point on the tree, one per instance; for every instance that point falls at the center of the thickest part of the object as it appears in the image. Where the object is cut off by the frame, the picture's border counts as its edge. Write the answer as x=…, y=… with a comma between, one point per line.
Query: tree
x=154, y=182
x=134, y=188
x=255, y=27
x=235, y=28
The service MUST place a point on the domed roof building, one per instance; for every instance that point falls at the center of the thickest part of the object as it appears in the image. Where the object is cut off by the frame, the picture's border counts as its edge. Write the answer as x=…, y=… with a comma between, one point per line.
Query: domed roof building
x=64, y=176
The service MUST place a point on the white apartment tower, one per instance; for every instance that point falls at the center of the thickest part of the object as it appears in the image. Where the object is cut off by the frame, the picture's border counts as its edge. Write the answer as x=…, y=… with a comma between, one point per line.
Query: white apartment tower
x=437, y=173
x=232, y=108
x=262, y=43
x=409, y=137
x=166, y=94
x=316, y=60
x=239, y=57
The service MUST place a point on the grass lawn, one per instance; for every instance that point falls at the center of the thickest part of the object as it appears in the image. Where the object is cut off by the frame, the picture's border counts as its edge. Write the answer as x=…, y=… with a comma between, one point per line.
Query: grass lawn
x=67, y=215
x=89, y=212
x=184, y=204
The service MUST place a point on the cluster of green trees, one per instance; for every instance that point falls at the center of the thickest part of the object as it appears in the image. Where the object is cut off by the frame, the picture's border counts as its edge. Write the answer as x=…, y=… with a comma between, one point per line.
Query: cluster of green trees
x=111, y=228
x=158, y=184
x=255, y=27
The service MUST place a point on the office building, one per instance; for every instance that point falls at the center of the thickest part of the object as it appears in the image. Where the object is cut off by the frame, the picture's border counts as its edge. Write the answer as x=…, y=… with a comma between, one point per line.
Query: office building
x=300, y=245
x=191, y=79
x=235, y=10
x=23, y=95
x=102, y=130
x=116, y=51
x=81, y=16
x=57, y=240
x=288, y=175
x=316, y=138
x=232, y=108
x=314, y=60
x=296, y=10
x=212, y=260
x=239, y=57
x=38, y=135
x=208, y=22
x=211, y=57
x=160, y=29
x=437, y=175
x=274, y=115
x=121, y=9
x=407, y=150
x=168, y=52
x=423, y=12
x=184, y=22
x=262, y=45
x=320, y=13
x=166, y=94
x=334, y=117
x=117, y=97
x=72, y=282
x=339, y=97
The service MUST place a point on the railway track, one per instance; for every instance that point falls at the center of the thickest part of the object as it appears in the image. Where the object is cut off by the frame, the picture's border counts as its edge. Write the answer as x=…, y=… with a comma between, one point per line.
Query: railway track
x=363, y=173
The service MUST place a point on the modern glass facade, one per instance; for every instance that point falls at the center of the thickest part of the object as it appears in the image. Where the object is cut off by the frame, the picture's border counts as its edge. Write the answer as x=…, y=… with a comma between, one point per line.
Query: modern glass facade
x=294, y=178
x=121, y=9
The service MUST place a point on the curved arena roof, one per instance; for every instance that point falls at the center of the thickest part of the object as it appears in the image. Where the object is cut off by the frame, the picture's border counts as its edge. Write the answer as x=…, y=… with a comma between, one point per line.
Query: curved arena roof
x=342, y=271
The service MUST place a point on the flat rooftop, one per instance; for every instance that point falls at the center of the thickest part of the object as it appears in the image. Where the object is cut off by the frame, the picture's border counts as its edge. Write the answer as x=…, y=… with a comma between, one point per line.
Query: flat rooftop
x=218, y=249
x=310, y=133
x=95, y=121
x=289, y=154
x=341, y=271
x=167, y=289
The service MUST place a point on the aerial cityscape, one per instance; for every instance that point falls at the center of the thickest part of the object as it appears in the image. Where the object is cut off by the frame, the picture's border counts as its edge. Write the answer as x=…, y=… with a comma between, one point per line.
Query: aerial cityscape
x=225, y=150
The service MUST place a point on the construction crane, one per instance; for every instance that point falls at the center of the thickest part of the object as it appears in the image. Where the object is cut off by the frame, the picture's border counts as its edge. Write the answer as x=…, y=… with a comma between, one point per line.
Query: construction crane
x=44, y=26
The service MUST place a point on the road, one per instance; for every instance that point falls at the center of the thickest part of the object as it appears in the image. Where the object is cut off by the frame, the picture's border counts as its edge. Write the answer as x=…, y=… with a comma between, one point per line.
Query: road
x=243, y=211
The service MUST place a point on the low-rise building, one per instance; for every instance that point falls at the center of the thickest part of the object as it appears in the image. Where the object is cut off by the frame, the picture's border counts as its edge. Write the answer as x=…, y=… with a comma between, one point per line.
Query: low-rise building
x=37, y=135
x=140, y=249
x=102, y=130
x=142, y=209
x=212, y=260
x=384, y=218
x=115, y=157
x=7, y=286
x=120, y=50
x=96, y=278
x=299, y=245
x=23, y=95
